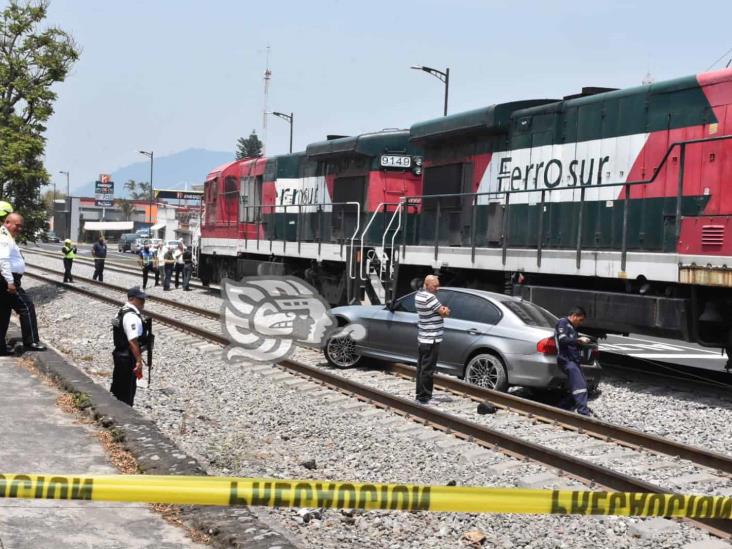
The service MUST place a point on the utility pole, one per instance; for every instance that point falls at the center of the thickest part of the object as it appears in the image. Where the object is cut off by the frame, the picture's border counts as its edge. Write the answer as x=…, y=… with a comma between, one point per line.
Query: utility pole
x=151, y=156
x=267, y=78
x=68, y=198
x=443, y=76
x=290, y=118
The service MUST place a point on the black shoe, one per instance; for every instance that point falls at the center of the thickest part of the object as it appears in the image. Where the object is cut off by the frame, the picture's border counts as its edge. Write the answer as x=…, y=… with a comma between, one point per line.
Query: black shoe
x=35, y=347
x=486, y=408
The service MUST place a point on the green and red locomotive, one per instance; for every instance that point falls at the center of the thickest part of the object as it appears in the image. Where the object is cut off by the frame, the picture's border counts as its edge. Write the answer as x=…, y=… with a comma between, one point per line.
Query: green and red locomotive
x=618, y=200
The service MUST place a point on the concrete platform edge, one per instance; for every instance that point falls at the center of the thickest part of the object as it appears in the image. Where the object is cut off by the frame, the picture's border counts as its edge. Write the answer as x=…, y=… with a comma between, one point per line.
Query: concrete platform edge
x=156, y=454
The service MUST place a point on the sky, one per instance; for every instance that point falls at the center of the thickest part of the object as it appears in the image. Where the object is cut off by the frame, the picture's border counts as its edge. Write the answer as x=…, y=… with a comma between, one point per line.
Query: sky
x=169, y=75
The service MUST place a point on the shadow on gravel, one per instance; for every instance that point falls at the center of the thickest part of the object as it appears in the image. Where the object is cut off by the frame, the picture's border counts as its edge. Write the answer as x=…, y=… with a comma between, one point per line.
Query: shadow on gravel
x=44, y=293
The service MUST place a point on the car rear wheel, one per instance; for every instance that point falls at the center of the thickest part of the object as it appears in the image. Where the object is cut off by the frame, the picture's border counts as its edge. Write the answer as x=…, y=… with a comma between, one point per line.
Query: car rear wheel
x=487, y=370
x=341, y=352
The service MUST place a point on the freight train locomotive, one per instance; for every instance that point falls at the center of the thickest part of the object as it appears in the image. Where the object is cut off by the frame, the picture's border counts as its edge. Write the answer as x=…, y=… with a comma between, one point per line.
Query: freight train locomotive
x=618, y=200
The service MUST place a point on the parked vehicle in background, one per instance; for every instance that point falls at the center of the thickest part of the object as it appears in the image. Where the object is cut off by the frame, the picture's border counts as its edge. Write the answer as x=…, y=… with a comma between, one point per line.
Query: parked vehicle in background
x=47, y=236
x=172, y=244
x=492, y=340
x=126, y=241
x=154, y=242
x=143, y=233
x=137, y=245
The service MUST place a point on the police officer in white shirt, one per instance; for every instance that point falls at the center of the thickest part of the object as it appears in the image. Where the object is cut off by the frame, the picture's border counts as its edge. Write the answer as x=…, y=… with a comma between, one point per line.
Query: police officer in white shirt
x=12, y=296
x=130, y=338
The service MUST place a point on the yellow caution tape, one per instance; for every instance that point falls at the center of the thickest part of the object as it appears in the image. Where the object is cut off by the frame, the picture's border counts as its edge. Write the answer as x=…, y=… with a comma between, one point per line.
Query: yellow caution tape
x=184, y=490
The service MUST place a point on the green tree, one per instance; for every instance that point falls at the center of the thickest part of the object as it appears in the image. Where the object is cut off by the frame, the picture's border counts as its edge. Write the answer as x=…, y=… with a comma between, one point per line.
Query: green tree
x=32, y=60
x=250, y=147
x=127, y=207
x=138, y=190
x=48, y=199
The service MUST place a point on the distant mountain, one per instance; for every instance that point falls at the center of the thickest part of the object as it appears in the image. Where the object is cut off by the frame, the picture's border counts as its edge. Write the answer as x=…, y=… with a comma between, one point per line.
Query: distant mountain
x=170, y=172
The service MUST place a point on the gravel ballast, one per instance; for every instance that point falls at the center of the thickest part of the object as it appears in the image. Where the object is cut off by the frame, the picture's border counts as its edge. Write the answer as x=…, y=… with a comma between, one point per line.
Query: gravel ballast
x=246, y=421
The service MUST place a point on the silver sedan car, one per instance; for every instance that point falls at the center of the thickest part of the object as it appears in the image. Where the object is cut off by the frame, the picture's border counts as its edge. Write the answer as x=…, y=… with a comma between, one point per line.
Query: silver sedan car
x=490, y=339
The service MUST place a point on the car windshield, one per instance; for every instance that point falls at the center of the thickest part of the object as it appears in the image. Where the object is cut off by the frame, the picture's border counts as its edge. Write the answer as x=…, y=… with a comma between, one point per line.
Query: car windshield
x=531, y=314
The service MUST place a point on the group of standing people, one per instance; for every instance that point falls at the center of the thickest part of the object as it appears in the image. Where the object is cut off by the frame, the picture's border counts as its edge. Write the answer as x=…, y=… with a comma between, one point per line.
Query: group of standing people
x=171, y=260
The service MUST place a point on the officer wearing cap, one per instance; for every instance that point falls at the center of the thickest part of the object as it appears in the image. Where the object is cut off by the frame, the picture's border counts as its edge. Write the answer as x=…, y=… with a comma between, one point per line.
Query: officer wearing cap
x=130, y=338
x=12, y=295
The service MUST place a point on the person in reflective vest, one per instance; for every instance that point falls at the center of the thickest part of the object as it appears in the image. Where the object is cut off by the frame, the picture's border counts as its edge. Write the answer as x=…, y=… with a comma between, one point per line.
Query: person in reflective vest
x=569, y=359
x=130, y=339
x=69, y=253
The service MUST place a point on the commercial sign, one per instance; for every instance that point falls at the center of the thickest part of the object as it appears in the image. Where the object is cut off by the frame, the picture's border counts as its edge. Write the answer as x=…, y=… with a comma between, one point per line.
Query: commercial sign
x=180, y=195
x=104, y=191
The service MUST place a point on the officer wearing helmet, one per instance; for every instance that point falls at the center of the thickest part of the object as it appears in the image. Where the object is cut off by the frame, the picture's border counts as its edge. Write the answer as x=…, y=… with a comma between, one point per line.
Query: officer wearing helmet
x=5, y=209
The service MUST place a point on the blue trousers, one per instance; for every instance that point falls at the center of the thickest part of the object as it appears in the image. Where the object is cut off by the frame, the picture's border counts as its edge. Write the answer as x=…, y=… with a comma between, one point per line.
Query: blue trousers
x=577, y=397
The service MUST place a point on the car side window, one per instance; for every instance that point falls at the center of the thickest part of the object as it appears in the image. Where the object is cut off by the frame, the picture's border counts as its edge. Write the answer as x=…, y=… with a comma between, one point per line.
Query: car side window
x=406, y=304
x=474, y=309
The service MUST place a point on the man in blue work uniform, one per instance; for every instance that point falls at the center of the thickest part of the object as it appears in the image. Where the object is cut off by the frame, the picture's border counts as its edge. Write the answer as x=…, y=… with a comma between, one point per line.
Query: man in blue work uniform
x=568, y=360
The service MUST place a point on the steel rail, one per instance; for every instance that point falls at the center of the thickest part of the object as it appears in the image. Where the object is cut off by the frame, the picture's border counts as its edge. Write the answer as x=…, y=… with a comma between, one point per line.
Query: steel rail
x=474, y=432
x=616, y=433
x=181, y=324
x=169, y=302
x=115, y=267
x=621, y=435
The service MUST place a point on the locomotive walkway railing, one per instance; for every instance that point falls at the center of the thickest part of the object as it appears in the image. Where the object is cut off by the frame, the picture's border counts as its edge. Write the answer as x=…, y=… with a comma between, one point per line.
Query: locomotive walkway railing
x=364, y=233
x=505, y=195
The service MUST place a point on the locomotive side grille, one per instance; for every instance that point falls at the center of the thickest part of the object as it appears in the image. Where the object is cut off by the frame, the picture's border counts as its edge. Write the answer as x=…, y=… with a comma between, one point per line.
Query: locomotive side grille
x=712, y=236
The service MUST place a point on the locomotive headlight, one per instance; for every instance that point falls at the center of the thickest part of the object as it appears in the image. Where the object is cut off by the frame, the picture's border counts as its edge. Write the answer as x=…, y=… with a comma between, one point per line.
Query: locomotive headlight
x=417, y=170
x=418, y=161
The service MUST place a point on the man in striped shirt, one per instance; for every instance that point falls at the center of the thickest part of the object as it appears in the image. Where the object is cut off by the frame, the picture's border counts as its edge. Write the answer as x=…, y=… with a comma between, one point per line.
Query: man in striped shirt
x=429, y=335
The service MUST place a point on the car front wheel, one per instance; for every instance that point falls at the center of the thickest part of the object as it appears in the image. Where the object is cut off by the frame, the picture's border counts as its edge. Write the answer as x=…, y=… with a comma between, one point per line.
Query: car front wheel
x=487, y=370
x=341, y=352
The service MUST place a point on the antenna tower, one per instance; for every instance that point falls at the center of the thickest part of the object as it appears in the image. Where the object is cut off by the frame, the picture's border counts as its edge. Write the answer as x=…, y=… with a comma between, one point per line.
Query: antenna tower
x=267, y=78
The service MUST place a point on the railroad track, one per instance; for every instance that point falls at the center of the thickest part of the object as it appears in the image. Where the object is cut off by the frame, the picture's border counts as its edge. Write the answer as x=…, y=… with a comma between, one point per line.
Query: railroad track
x=620, y=364
x=111, y=266
x=542, y=425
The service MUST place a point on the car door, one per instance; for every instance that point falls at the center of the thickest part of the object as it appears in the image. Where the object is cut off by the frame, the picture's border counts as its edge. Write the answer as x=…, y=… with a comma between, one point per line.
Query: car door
x=471, y=317
x=391, y=332
x=395, y=331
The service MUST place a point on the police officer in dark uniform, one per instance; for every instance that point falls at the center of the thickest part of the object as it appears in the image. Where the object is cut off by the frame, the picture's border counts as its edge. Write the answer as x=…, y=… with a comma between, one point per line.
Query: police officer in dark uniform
x=568, y=360
x=130, y=338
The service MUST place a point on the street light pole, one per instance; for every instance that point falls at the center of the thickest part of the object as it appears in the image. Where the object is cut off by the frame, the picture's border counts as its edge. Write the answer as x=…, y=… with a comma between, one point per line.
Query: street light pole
x=151, y=156
x=68, y=197
x=440, y=75
x=289, y=118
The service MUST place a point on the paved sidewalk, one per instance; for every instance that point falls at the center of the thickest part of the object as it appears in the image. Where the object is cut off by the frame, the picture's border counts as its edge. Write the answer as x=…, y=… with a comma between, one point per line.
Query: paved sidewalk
x=38, y=437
